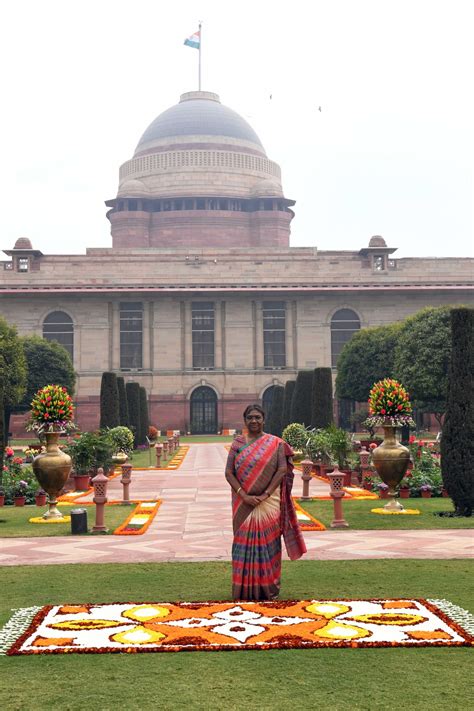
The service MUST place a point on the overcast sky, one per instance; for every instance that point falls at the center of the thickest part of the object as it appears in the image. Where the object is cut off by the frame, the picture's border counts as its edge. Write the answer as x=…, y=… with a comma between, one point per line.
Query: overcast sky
x=390, y=153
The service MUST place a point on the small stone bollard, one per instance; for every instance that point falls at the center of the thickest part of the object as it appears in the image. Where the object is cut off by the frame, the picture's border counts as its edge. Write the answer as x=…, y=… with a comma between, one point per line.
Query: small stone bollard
x=125, y=481
x=158, y=453
x=99, y=483
x=178, y=434
x=171, y=445
x=307, y=467
x=364, y=457
x=176, y=442
x=336, y=481
x=165, y=450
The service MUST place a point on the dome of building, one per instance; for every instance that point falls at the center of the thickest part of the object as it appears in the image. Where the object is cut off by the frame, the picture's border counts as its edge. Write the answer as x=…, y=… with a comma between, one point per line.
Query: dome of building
x=23, y=243
x=377, y=241
x=199, y=113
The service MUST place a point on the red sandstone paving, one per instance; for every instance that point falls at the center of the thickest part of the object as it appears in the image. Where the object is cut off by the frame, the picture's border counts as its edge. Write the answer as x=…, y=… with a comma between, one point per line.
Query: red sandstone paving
x=194, y=524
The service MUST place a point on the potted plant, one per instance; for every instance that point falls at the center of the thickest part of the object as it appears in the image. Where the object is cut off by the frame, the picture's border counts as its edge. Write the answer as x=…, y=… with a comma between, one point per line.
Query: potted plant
x=40, y=497
x=122, y=443
x=340, y=447
x=51, y=416
x=2, y=497
x=296, y=435
x=89, y=452
x=317, y=448
x=19, y=493
x=404, y=488
x=382, y=490
x=426, y=491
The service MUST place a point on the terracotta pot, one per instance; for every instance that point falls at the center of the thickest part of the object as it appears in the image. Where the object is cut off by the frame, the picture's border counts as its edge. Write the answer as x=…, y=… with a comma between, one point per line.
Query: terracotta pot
x=444, y=493
x=2, y=499
x=404, y=493
x=426, y=494
x=383, y=494
x=40, y=499
x=19, y=500
x=81, y=482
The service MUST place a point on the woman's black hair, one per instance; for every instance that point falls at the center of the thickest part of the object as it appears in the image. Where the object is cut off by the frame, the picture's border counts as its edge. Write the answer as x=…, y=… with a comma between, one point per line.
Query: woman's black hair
x=254, y=406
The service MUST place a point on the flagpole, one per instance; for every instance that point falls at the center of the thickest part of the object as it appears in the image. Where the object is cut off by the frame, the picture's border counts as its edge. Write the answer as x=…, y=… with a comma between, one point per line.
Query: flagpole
x=200, y=43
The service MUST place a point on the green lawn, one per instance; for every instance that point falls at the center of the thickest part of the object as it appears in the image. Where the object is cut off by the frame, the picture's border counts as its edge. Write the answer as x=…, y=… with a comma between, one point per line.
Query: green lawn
x=359, y=516
x=320, y=678
x=14, y=521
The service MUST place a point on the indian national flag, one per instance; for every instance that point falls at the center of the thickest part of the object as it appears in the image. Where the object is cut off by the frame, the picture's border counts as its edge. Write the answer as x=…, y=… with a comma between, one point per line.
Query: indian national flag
x=194, y=41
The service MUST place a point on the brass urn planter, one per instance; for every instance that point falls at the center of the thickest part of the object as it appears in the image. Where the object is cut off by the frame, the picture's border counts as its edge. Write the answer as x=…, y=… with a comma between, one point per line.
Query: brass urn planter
x=391, y=459
x=52, y=469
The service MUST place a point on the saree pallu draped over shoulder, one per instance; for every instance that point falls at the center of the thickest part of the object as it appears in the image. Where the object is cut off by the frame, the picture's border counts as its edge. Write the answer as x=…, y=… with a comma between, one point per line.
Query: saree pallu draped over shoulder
x=256, y=550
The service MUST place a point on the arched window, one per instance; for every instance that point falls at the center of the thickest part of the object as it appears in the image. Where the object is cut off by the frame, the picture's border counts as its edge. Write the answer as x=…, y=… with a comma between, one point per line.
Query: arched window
x=203, y=413
x=267, y=399
x=58, y=326
x=344, y=324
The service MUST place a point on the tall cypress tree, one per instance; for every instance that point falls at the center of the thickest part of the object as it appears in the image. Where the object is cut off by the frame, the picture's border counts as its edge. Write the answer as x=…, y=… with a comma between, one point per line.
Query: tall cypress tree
x=144, y=419
x=274, y=417
x=457, y=440
x=133, y=399
x=288, y=394
x=321, y=405
x=109, y=401
x=301, y=400
x=123, y=403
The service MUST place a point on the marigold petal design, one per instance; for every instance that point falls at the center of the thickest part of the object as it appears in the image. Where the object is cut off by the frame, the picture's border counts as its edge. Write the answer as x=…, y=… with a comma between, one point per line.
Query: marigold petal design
x=88, y=624
x=137, y=635
x=339, y=630
x=145, y=613
x=327, y=609
x=389, y=618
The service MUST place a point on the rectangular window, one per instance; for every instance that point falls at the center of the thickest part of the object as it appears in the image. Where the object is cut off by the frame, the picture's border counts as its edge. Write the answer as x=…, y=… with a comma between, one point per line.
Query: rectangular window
x=274, y=334
x=23, y=264
x=131, y=334
x=203, y=334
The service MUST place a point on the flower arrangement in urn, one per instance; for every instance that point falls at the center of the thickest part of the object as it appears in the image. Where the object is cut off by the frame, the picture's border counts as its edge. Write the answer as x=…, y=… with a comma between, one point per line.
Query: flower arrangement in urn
x=51, y=415
x=51, y=410
x=389, y=404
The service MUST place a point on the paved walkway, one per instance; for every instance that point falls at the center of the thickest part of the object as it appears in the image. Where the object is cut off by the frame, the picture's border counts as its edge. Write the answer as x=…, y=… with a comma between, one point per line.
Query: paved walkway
x=194, y=524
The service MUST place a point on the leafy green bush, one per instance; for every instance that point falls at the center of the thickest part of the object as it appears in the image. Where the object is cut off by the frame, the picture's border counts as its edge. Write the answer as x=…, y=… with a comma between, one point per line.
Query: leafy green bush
x=122, y=439
x=318, y=446
x=91, y=451
x=296, y=435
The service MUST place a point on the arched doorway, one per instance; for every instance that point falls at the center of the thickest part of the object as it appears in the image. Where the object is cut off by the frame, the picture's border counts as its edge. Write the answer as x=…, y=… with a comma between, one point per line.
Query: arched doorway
x=267, y=399
x=203, y=415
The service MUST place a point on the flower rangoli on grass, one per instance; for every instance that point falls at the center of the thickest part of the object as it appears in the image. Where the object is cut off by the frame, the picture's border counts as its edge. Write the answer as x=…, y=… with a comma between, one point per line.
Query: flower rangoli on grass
x=205, y=626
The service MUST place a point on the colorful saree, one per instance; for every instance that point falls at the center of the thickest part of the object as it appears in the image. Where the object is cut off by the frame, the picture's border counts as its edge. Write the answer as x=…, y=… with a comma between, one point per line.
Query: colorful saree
x=256, y=550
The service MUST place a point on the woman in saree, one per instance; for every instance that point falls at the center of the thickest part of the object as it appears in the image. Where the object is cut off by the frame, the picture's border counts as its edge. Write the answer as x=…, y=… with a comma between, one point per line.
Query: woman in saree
x=260, y=472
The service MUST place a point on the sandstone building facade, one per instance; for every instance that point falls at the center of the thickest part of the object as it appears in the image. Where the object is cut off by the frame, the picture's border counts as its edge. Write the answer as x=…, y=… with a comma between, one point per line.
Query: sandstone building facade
x=201, y=298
